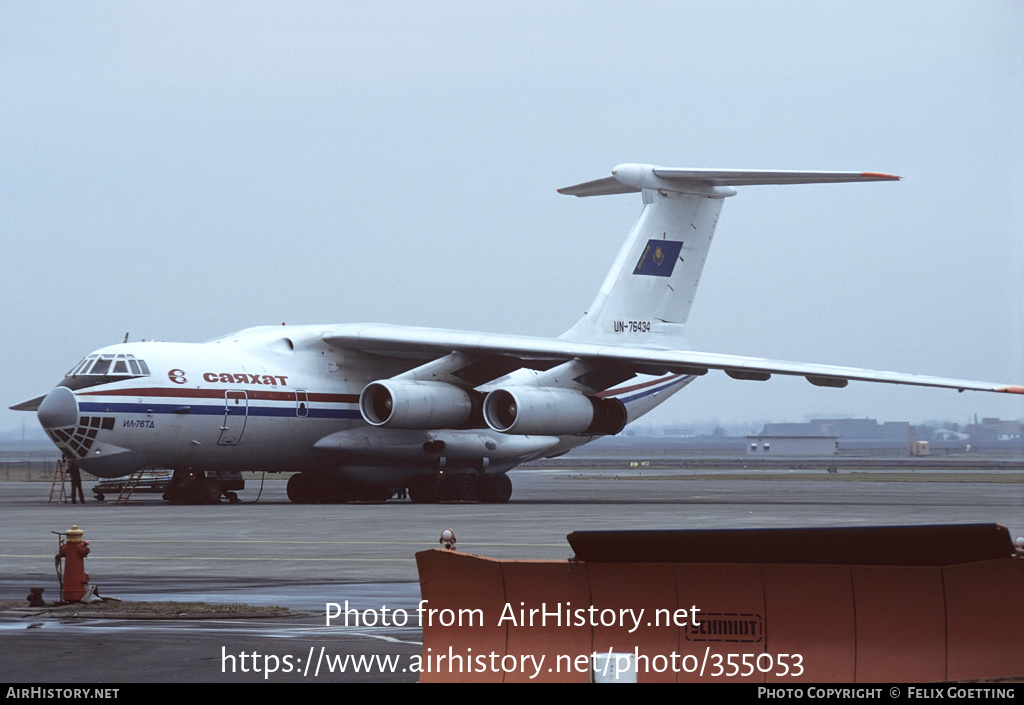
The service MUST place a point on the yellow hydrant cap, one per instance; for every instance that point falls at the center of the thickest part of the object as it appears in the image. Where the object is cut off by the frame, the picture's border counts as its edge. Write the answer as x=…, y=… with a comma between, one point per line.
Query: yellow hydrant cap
x=74, y=534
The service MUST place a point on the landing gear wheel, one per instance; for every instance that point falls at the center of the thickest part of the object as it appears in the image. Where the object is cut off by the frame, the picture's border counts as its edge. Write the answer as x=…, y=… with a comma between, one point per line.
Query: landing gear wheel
x=459, y=488
x=495, y=489
x=300, y=489
x=423, y=489
x=192, y=487
x=373, y=493
x=208, y=492
x=332, y=491
x=175, y=492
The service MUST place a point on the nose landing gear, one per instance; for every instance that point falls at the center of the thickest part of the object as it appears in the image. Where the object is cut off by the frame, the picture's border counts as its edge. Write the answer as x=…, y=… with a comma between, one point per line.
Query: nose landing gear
x=193, y=487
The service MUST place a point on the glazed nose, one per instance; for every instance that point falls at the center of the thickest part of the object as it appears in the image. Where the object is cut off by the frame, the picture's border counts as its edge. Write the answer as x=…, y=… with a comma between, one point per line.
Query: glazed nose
x=58, y=409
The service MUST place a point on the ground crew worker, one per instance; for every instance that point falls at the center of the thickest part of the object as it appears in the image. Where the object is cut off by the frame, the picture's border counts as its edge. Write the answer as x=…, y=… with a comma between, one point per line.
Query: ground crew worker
x=76, y=481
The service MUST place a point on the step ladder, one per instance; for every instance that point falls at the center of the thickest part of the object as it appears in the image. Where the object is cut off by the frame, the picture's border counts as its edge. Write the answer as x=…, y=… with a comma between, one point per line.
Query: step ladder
x=132, y=483
x=128, y=487
x=57, y=489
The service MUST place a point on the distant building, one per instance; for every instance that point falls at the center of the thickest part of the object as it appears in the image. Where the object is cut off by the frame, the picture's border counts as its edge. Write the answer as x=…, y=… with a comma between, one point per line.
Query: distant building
x=790, y=444
x=859, y=429
x=992, y=429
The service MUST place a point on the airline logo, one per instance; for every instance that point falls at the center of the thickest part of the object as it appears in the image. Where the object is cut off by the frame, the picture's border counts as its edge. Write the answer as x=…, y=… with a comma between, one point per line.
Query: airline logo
x=245, y=378
x=659, y=258
x=178, y=377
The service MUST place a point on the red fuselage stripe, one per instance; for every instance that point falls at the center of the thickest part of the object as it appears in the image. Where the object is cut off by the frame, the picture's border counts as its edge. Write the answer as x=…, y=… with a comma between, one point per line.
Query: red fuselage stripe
x=257, y=394
x=645, y=385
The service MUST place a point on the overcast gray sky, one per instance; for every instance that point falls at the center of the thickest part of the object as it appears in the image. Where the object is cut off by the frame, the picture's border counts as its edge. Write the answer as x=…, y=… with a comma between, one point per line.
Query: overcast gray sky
x=182, y=170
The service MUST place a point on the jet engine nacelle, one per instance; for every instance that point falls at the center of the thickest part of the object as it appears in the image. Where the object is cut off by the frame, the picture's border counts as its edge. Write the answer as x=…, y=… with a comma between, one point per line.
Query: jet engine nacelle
x=415, y=404
x=552, y=412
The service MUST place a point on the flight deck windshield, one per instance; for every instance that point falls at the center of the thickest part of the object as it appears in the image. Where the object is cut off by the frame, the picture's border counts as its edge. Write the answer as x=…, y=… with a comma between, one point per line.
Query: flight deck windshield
x=101, y=369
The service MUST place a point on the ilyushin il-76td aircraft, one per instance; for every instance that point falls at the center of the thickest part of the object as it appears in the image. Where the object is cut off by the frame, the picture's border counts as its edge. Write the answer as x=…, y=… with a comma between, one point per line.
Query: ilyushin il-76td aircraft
x=360, y=412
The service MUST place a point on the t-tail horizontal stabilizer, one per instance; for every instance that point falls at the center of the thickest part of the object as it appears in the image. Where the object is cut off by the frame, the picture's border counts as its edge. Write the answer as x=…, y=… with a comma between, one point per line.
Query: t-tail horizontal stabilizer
x=646, y=298
x=717, y=183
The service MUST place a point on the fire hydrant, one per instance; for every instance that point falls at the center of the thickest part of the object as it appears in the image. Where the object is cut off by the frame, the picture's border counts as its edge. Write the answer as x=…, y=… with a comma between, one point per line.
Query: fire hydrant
x=75, y=579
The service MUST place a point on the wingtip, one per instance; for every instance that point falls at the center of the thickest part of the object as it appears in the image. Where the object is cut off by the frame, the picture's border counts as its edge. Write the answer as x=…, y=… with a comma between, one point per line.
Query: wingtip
x=879, y=175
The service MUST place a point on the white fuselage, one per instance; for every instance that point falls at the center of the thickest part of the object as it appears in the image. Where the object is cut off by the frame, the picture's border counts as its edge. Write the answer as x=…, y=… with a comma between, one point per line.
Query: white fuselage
x=261, y=400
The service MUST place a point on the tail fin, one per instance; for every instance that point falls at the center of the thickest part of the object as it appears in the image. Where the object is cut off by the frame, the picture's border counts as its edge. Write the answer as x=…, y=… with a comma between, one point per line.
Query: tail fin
x=645, y=299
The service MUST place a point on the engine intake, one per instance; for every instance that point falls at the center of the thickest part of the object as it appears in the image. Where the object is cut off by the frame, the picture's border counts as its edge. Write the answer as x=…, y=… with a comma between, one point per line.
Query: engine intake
x=414, y=404
x=552, y=412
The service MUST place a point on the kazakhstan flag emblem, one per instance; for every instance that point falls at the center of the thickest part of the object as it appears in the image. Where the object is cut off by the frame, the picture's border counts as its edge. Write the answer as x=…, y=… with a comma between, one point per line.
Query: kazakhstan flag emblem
x=659, y=258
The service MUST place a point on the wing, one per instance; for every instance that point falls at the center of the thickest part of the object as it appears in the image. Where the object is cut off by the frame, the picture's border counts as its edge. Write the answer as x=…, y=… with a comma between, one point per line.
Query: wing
x=425, y=344
x=636, y=326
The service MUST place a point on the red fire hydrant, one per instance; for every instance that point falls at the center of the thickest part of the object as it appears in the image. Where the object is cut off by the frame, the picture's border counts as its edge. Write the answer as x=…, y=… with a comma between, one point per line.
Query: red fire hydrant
x=74, y=551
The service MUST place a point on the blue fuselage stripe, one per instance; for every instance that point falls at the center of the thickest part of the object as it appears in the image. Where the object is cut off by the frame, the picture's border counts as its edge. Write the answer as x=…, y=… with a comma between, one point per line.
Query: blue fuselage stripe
x=214, y=410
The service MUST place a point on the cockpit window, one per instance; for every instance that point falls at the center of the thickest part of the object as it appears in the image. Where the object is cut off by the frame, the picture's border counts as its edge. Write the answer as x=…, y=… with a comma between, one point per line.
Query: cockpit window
x=100, y=369
x=81, y=366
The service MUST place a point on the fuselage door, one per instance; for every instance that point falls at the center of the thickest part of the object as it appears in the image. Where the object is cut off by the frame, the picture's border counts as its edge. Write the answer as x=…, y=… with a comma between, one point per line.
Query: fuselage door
x=301, y=403
x=236, y=411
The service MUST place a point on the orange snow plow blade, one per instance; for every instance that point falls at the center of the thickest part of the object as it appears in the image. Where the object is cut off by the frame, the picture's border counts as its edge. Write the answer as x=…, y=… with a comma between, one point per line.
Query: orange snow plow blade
x=774, y=606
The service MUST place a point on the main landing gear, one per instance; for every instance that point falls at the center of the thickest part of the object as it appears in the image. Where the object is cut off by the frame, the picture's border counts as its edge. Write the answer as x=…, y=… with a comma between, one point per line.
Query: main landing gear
x=488, y=489
x=321, y=488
